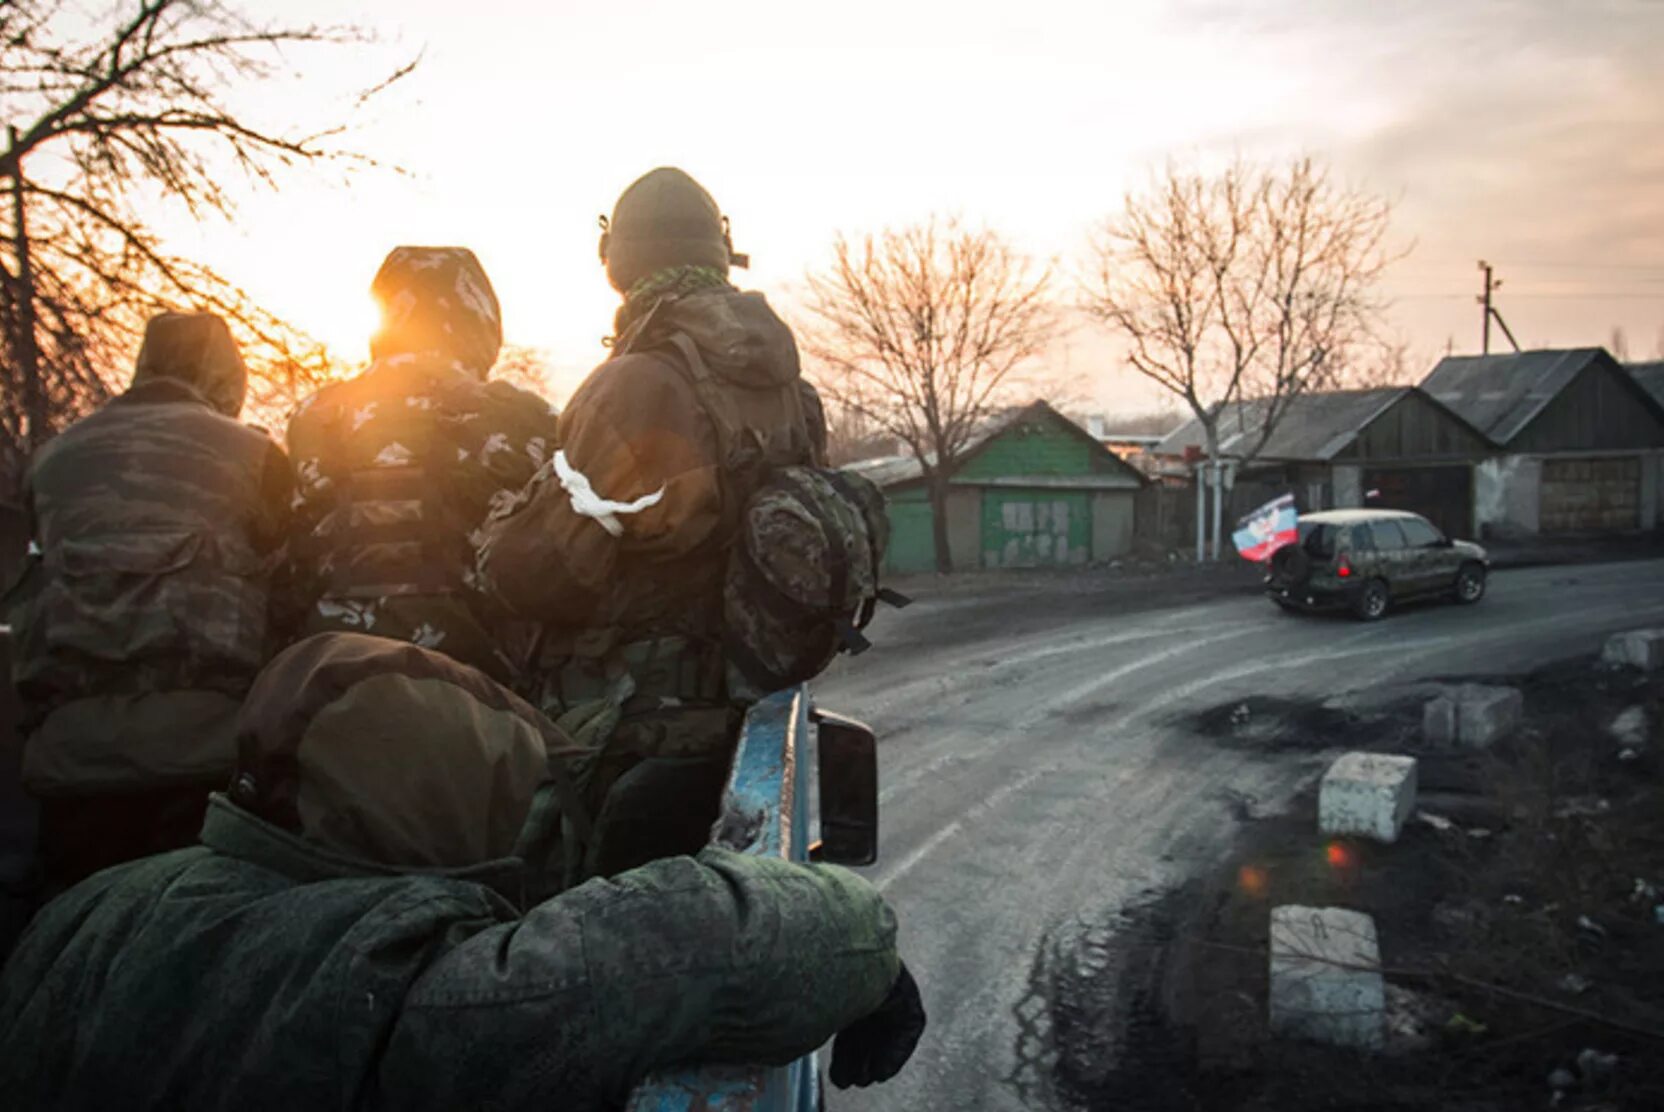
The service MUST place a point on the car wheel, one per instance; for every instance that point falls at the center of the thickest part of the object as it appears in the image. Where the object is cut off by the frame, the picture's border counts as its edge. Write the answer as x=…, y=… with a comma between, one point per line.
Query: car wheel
x=1470, y=584
x=1285, y=607
x=1372, y=601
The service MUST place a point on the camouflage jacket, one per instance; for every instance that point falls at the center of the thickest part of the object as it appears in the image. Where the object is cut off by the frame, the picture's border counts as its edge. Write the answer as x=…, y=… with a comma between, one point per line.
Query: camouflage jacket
x=642, y=426
x=397, y=468
x=160, y=520
x=289, y=976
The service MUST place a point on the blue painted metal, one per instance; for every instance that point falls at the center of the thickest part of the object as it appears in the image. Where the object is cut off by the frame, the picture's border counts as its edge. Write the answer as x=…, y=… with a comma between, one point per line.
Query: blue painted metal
x=765, y=810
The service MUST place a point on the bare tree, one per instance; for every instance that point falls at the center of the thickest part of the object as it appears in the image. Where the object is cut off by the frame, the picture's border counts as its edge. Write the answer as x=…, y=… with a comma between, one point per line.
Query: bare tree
x=111, y=111
x=1392, y=362
x=529, y=368
x=852, y=436
x=1251, y=284
x=922, y=331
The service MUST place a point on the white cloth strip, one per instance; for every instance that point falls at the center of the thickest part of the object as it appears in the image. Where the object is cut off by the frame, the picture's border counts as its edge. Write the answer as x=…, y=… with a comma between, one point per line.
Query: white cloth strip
x=586, y=503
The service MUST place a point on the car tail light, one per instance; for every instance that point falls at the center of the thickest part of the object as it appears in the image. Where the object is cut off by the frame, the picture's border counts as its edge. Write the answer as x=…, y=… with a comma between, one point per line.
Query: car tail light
x=1345, y=569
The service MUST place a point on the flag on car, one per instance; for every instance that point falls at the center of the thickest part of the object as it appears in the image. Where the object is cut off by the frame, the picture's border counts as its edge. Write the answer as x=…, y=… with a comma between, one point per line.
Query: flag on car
x=1267, y=529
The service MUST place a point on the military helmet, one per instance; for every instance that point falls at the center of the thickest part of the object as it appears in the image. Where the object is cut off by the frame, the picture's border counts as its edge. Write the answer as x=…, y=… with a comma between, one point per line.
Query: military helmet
x=664, y=219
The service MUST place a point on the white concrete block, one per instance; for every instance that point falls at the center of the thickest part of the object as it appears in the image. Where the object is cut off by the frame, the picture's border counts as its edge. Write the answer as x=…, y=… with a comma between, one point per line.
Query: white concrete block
x=1326, y=981
x=1485, y=714
x=1438, y=721
x=1639, y=648
x=1367, y=794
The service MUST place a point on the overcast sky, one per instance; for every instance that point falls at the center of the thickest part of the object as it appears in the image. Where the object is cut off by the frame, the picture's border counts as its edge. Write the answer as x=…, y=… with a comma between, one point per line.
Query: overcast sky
x=1527, y=132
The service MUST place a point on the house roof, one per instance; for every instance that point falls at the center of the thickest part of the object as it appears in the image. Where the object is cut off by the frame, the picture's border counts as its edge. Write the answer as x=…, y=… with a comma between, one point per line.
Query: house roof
x=1315, y=426
x=1650, y=376
x=889, y=471
x=1502, y=394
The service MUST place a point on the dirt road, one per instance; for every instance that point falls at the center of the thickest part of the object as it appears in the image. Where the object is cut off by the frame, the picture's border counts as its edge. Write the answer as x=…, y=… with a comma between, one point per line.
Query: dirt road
x=1034, y=777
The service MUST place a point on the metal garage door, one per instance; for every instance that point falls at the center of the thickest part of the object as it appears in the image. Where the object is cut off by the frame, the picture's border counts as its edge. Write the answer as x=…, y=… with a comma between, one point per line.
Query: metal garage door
x=912, y=537
x=1443, y=495
x=1590, y=495
x=1035, y=528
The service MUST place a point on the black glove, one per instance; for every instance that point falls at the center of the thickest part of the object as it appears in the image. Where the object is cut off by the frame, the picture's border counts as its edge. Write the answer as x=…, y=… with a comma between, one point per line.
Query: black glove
x=874, y=1048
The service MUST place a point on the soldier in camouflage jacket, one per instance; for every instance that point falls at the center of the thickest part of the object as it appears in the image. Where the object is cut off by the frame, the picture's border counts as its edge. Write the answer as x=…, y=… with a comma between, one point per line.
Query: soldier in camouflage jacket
x=619, y=544
x=396, y=468
x=350, y=935
x=159, y=521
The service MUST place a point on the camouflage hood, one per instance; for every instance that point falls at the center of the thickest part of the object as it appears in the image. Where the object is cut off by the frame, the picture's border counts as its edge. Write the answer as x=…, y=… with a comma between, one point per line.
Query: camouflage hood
x=387, y=752
x=195, y=349
x=437, y=300
x=738, y=334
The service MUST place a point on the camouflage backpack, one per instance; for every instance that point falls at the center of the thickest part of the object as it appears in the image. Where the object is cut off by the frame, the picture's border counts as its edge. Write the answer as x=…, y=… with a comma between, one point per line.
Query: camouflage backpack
x=805, y=543
x=803, y=577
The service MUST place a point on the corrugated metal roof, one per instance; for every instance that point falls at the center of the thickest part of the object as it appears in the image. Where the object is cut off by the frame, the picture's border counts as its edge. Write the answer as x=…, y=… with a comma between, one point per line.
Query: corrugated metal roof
x=1315, y=426
x=888, y=471
x=1650, y=376
x=1501, y=394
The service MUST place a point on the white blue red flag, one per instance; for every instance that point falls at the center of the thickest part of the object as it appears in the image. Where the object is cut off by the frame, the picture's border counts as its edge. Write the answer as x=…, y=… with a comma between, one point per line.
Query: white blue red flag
x=1267, y=529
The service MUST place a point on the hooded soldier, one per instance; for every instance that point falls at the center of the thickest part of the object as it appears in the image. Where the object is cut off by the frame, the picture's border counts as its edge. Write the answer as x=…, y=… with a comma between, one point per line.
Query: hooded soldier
x=397, y=468
x=350, y=932
x=619, y=545
x=158, y=521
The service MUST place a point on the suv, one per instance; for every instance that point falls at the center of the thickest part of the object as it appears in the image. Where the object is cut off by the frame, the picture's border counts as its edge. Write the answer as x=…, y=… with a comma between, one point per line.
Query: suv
x=1365, y=560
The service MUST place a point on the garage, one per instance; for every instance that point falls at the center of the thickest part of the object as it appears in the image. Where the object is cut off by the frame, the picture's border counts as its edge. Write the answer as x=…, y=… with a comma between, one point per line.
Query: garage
x=1443, y=495
x=1033, y=489
x=1591, y=495
x=1035, y=528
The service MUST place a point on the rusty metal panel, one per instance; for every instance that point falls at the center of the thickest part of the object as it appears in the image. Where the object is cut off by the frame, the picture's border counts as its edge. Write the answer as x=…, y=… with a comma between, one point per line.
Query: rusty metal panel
x=765, y=810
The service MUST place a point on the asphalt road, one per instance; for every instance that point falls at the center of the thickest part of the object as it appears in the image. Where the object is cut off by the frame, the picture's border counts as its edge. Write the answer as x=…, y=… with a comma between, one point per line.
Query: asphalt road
x=1036, y=776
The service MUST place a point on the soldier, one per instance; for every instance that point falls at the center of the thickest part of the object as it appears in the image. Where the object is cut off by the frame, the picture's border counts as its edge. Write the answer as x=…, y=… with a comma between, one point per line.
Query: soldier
x=159, y=520
x=396, y=468
x=619, y=544
x=348, y=933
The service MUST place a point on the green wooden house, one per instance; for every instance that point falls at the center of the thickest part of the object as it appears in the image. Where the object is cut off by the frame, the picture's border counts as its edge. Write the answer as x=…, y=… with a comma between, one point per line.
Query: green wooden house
x=1033, y=490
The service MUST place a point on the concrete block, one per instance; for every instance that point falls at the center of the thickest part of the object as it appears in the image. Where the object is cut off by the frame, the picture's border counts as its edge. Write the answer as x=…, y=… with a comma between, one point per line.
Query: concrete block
x=1438, y=721
x=1367, y=794
x=1638, y=648
x=1484, y=714
x=1326, y=981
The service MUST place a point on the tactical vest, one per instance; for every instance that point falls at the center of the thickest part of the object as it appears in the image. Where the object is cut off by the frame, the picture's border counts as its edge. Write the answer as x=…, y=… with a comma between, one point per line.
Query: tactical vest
x=149, y=580
x=394, y=527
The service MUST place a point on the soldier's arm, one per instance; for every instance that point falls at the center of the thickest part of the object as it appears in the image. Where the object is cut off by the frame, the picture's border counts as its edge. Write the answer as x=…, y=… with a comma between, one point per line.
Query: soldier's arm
x=271, y=537
x=635, y=430
x=720, y=958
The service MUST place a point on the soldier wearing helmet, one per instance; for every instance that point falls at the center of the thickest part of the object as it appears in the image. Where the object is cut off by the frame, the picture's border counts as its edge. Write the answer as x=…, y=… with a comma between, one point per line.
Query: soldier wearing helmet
x=618, y=546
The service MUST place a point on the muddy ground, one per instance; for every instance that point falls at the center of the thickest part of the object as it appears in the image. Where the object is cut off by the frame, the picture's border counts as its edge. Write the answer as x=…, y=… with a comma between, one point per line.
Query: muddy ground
x=1524, y=954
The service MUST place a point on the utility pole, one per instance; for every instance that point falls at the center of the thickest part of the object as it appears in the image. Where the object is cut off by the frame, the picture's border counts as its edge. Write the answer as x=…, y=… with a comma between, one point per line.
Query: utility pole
x=24, y=348
x=1484, y=299
x=1491, y=311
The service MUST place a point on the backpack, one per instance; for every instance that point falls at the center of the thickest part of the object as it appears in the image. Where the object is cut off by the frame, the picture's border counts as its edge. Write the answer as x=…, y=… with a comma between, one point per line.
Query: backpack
x=806, y=544
x=802, y=578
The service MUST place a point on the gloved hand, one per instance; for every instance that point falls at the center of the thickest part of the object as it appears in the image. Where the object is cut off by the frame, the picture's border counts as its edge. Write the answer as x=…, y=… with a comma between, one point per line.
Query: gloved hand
x=874, y=1048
